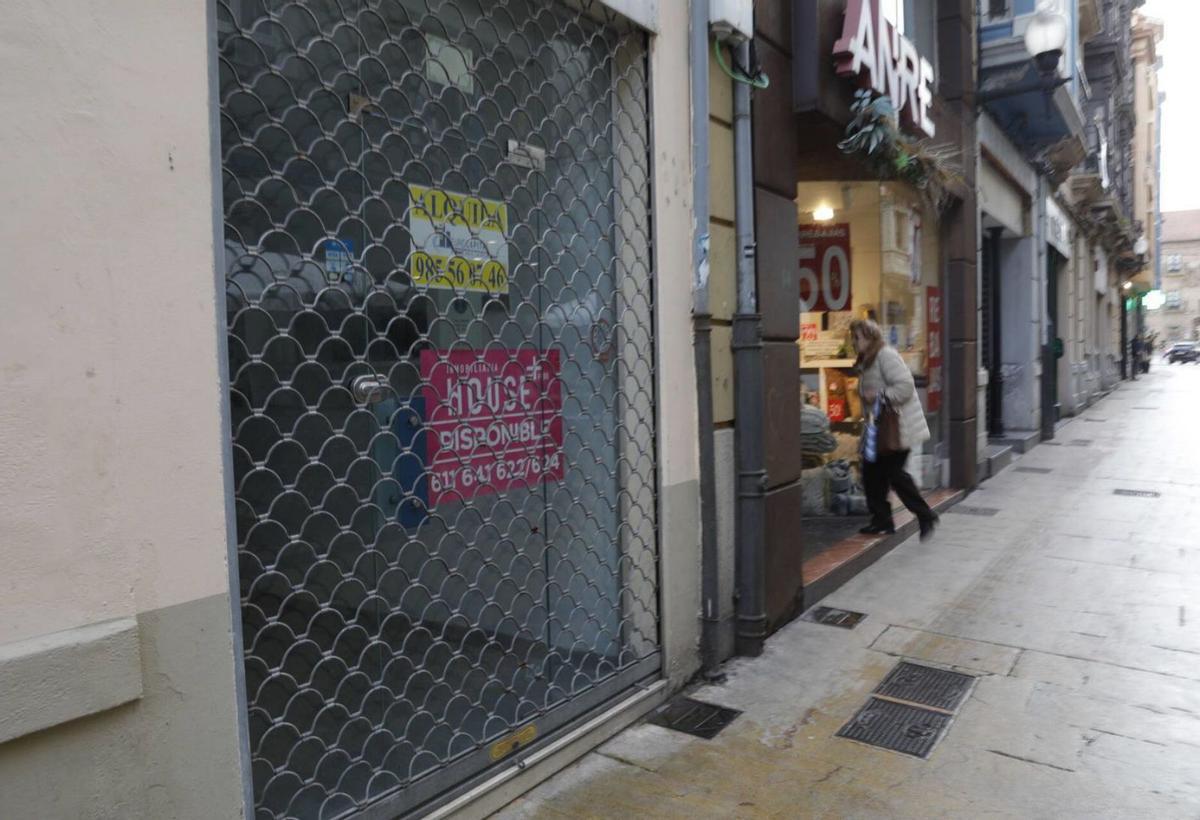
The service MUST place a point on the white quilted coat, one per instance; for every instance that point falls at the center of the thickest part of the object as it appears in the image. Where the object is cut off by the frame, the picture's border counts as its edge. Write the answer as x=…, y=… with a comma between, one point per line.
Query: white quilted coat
x=890, y=376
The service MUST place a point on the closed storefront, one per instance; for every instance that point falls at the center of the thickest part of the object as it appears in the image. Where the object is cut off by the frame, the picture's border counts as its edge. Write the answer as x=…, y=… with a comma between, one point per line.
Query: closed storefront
x=438, y=297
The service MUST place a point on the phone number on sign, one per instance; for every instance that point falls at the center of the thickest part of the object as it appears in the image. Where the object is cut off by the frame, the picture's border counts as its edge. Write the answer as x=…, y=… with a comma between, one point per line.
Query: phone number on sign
x=518, y=468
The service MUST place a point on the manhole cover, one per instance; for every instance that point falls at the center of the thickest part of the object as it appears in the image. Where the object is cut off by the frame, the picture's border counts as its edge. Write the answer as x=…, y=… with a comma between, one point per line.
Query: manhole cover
x=1038, y=470
x=1137, y=493
x=962, y=509
x=1080, y=442
x=693, y=717
x=830, y=616
x=909, y=730
x=927, y=686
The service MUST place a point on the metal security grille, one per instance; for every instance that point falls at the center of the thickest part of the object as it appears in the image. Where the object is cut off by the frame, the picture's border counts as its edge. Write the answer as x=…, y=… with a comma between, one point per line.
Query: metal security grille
x=439, y=302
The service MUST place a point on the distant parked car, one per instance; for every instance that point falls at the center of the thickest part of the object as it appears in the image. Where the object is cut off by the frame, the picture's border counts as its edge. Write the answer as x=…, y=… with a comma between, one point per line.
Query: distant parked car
x=1183, y=352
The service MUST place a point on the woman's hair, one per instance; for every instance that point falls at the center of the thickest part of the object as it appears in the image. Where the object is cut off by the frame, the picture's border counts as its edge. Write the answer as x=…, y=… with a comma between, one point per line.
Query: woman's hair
x=872, y=333
x=867, y=329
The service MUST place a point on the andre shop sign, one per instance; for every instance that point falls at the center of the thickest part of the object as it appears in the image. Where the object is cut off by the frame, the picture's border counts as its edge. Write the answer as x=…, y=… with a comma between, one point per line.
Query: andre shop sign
x=874, y=52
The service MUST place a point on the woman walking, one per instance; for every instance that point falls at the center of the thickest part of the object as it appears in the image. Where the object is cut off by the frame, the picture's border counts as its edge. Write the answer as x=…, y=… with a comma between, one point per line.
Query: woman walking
x=886, y=382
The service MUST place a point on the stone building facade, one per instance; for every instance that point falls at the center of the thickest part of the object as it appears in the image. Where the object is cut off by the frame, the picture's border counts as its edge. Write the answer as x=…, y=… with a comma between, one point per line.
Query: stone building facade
x=1178, y=319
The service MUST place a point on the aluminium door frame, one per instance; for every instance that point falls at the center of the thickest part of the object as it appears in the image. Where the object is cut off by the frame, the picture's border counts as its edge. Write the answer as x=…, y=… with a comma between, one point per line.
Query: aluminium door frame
x=225, y=410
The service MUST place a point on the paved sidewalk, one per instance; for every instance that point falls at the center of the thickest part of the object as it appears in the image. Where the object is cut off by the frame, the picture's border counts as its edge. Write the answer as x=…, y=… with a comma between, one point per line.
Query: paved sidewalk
x=1079, y=609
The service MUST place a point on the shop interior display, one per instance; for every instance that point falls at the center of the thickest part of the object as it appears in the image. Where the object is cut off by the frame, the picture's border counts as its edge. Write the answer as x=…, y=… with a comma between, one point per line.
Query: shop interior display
x=864, y=253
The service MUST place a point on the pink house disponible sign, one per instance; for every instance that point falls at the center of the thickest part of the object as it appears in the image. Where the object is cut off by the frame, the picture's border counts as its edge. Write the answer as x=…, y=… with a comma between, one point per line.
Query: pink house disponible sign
x=494, y=421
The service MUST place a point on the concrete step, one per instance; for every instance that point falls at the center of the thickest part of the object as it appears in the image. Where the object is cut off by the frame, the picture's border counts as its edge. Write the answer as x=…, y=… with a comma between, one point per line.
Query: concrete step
x=999, y=455
x=1021, y=441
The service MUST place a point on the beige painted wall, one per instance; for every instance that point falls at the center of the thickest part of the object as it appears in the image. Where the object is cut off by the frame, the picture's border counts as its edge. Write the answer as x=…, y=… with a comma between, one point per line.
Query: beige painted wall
x=679, y=536
x=111, y=482
x=112, y=493
x=722, y=256
x=722, y=300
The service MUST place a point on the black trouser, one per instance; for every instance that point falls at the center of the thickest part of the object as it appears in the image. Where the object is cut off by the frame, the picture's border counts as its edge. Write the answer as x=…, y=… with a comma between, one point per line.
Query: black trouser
x=888, y=472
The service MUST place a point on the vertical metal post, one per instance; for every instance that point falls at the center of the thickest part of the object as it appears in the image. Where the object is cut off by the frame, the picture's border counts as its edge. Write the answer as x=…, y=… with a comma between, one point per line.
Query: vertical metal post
x=748, y=386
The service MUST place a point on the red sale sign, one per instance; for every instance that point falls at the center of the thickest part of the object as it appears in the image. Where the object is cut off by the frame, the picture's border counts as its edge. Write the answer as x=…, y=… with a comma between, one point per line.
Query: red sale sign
x=933, y=346
x=824, y=267
x=494, y=421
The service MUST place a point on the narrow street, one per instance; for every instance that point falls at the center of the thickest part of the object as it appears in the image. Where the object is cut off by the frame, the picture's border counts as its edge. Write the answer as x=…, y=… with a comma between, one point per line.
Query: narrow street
x=1077, y=608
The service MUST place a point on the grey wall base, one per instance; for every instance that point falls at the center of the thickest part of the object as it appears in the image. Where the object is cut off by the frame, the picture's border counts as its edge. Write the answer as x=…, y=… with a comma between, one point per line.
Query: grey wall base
x=173, y=753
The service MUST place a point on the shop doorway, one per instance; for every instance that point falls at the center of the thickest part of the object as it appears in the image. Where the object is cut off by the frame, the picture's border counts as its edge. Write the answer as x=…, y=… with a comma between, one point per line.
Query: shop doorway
x=868, y=250
x=1052, y=350
x=992, y=352
x=438, y=296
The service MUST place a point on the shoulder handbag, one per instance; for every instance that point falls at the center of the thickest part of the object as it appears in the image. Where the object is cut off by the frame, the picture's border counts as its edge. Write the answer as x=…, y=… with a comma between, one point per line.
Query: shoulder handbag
x=888, y=426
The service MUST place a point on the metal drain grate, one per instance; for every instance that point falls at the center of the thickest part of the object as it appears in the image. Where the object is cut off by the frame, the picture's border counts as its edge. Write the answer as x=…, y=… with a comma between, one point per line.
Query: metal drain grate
x=962, y=509
x=1052, y=443
x=909, y=730
x=1080, y=442
x=1138, y=493
x=926, y=686
x=693, y=717
x=1096, y=421
x=1038, y=470
x=830, y=616
x=1145, y=408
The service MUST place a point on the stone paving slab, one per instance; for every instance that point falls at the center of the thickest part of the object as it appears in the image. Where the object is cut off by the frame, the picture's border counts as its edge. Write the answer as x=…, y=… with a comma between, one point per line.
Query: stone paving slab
x=946, y=650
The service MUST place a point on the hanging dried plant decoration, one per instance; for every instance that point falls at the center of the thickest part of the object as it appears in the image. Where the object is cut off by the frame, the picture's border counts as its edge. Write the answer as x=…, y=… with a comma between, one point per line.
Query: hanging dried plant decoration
x=874, y=133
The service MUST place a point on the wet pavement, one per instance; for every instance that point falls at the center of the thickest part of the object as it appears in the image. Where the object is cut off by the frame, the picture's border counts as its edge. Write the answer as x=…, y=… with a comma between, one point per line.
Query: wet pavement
x=1076, y=607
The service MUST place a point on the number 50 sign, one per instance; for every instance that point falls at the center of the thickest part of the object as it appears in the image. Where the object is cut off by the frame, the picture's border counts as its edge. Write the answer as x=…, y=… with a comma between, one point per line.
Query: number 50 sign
x=824, y=267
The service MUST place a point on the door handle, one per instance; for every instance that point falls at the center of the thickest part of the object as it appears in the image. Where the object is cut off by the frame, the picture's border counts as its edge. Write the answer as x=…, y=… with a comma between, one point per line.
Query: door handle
x=368, y=388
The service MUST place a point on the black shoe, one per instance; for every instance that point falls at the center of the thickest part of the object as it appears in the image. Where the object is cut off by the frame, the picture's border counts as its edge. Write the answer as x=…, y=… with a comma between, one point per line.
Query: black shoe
x=875, y=529
x=927, y=525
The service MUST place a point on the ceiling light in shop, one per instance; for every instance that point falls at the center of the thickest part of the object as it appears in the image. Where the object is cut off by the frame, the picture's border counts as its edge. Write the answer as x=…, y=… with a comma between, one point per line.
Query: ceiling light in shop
x=1127, y=285
x=823, y=213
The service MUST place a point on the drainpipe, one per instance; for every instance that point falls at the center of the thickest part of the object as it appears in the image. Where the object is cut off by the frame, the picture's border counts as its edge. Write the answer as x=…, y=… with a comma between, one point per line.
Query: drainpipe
x=710, y=584
x=748, y=386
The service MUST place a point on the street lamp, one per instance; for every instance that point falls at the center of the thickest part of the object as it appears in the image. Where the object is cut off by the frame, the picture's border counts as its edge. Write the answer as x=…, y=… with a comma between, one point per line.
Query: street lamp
x=1045, y=39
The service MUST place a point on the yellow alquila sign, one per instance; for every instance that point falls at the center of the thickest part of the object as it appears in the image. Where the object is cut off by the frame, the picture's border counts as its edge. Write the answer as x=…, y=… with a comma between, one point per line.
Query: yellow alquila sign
x=460, y=242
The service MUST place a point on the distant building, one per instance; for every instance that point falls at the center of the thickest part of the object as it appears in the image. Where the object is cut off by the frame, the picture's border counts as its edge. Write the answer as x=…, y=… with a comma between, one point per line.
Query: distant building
x=1178, y=319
